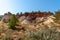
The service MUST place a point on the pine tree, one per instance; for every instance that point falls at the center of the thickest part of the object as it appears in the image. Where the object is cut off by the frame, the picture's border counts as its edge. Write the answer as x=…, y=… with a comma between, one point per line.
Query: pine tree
x=13, y=22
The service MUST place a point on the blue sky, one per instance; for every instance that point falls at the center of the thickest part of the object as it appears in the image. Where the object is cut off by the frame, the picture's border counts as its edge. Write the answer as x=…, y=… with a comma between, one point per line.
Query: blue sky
x=15, y=6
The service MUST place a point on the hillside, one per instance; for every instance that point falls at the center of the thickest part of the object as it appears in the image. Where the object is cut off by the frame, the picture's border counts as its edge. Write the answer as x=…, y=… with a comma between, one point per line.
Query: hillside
x=30, y=26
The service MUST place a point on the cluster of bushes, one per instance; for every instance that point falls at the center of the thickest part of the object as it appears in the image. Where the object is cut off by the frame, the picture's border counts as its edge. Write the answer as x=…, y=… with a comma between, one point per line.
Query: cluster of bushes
x=47, y=34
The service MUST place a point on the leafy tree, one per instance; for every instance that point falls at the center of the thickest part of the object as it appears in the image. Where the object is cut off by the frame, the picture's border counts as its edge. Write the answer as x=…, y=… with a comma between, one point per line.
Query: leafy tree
x=9, y=12
x=17, y=13
x=21, y=13
x=13, y=22
x=57, y=15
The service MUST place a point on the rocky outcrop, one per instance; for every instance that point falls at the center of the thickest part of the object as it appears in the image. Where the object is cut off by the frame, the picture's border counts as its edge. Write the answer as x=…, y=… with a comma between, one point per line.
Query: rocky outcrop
x=38, y=20
x=6, y=18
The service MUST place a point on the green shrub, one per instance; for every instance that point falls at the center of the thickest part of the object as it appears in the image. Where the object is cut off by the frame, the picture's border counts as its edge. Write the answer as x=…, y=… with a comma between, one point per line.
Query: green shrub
x=13, y=22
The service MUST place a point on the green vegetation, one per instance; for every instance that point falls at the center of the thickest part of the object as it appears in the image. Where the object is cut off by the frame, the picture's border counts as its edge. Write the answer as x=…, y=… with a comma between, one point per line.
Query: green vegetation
x=57, y=15
x=1, y=17
x=13, y=22
x=47, y=34
x=34, y=31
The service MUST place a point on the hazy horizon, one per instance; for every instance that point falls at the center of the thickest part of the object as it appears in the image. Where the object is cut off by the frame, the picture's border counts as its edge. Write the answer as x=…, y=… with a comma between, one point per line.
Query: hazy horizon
x=15, y=6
